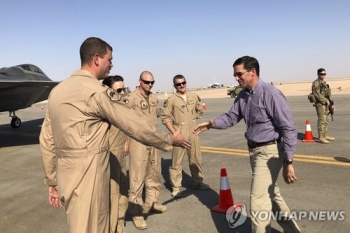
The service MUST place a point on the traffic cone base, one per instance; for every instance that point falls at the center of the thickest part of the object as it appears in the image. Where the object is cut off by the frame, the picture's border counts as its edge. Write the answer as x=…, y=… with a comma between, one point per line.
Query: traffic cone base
x=225, y=197
x=308, y=133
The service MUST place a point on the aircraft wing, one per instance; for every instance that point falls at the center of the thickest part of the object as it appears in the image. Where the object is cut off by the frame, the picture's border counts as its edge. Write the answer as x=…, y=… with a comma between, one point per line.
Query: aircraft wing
x=19, y=94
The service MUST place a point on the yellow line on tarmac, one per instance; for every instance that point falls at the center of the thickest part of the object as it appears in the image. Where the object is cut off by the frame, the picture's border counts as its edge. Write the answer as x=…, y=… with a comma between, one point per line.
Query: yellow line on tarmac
x=297, y=157
x=20, y=133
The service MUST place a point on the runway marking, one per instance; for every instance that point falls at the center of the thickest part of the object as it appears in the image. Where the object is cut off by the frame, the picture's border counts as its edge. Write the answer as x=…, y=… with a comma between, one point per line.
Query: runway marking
x=20, y=133
x=297, y=157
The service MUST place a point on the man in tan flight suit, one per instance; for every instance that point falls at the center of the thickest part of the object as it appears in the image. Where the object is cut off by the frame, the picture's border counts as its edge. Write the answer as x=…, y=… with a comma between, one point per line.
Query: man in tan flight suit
x=119, y=148
x=74, y=139
x=184, y=108
x=145, y=165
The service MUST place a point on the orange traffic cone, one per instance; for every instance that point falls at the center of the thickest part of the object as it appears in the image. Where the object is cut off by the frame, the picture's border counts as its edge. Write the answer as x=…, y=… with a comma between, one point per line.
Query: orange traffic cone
x=204, y=107
x=225, y=198
x=308, y=133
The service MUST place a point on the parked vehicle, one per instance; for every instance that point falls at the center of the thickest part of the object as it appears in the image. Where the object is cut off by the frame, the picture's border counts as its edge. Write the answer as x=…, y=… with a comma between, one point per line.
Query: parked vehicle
x=233, y=92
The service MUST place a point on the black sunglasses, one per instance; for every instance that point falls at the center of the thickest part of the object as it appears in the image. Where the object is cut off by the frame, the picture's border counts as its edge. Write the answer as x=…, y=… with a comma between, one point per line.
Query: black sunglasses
x=119, y=90
x=179, y=84
x=147, y=82
x=323, y=74
x=239, y=74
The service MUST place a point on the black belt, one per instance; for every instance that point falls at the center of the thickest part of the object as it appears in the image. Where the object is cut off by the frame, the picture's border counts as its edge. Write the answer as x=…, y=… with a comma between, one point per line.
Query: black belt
x=253, y=145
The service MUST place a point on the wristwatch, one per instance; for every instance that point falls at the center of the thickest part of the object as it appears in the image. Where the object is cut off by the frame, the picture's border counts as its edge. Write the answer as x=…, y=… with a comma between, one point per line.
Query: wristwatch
x=288, y=161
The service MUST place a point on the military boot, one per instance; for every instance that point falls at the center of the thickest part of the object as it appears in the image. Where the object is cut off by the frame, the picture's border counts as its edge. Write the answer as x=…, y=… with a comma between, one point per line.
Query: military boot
x=139, y=222
x=329, y=138
x=322, y=138
x=158, y=208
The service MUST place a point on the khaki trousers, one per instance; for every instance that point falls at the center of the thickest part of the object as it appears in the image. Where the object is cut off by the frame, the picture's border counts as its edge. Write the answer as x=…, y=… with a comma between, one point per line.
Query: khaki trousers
x=266, y=163
x=144, y=171
x=195, y=163
x=118, y=189
x=83, y=184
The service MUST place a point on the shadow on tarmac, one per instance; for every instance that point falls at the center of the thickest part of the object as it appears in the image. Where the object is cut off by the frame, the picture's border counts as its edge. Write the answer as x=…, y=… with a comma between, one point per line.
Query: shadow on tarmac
x=209, y=198
x=27, y=134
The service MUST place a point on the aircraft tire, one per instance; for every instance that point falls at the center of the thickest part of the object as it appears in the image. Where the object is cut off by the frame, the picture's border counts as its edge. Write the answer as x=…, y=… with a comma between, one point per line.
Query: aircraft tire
x=16, y=122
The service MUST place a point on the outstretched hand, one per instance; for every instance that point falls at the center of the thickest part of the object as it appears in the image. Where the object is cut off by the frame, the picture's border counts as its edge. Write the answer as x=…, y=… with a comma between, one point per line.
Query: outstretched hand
x=179, y=140
x=202, y=127
x=54, y=198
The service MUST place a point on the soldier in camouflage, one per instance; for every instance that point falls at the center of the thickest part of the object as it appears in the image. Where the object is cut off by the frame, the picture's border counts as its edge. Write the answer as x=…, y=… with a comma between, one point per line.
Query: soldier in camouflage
x=322, y=93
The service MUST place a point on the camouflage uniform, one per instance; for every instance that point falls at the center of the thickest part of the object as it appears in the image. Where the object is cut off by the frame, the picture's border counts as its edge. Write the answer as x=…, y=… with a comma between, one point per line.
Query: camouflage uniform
x=322, y=93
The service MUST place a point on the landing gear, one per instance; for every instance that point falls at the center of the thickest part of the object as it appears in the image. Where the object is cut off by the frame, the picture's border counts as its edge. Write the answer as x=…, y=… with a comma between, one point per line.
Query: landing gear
x=15, y=122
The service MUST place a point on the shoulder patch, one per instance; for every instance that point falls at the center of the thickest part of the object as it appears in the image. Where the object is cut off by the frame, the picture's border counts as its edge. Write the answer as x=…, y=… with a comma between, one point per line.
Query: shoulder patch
x=112, y=95
x=165, y=104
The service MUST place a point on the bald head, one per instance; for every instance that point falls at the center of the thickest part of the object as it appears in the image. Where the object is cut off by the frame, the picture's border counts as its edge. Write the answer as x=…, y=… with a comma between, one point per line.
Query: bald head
x=145, y=74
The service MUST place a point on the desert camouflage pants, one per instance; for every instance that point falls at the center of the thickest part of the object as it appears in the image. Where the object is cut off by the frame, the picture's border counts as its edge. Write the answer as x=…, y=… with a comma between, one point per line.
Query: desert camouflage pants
x=323, y=118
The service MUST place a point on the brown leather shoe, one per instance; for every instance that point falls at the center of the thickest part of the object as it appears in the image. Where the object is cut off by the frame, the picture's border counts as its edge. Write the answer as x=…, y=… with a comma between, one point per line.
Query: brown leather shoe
x=139, y=222
x=158, y=208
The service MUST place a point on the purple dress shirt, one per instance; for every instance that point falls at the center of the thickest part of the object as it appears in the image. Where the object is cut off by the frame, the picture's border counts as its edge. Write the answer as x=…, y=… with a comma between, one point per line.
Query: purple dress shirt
x=266, y=114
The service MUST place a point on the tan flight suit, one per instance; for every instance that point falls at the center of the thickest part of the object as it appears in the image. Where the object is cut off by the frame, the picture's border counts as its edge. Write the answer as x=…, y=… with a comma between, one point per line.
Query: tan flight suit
x=145, y=164
x=177, y=111
x=74, y=147
x=119, y=189
x=322, y=92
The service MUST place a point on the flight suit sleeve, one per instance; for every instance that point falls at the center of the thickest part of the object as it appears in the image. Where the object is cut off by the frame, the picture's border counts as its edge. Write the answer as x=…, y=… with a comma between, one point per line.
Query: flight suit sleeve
x=47, y=148
x=167, y=112
x=199, y=108
x=132, y=124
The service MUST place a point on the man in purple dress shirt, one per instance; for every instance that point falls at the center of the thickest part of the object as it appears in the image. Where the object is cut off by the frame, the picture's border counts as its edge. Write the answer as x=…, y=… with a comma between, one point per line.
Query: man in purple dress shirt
x=271, y=138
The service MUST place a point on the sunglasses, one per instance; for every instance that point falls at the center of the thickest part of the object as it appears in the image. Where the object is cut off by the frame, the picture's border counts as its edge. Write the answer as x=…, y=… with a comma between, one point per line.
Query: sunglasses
x=322, y=74
x=179, y=84
x=147, y=82
x=119, y=90
x=239, y=74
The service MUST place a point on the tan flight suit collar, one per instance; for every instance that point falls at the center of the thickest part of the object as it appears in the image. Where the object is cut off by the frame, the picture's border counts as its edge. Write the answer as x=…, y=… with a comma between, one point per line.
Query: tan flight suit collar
x=138, y=92
x=179, y=95
x=83, y=73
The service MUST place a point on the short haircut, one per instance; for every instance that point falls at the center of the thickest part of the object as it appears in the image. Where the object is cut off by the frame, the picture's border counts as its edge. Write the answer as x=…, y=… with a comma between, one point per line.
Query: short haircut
x=92, y=46
x=248, y=63
x=179, y=76
x=110, y=80
x=320, y=70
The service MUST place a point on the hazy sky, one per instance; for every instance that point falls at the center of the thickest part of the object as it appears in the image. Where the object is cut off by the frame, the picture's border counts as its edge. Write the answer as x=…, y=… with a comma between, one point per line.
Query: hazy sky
x=199, y=39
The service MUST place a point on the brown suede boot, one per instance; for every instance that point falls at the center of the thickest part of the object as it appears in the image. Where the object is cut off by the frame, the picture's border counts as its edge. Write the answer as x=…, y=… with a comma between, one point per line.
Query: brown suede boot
x=322, y=138
x=329, y=138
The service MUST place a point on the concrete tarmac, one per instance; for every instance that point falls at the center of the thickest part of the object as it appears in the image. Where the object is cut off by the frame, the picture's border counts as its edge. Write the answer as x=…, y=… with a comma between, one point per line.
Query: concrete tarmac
x=323, y=173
